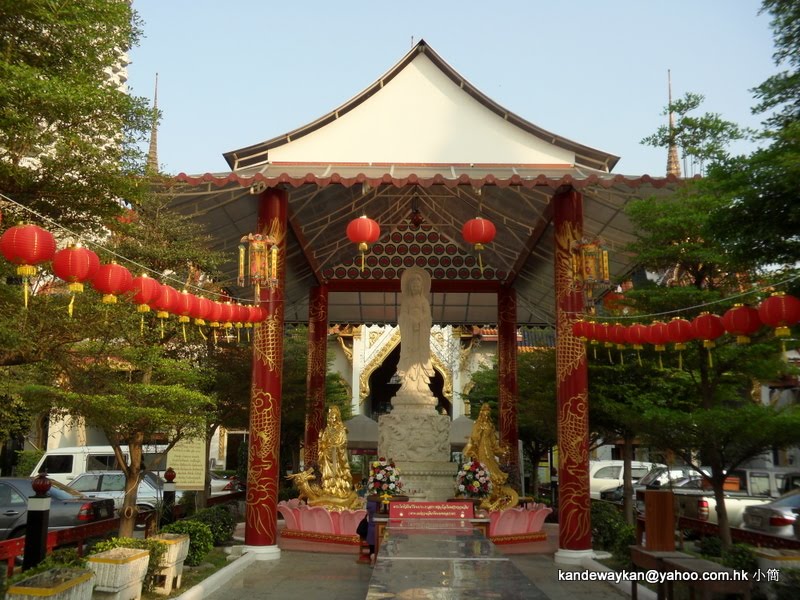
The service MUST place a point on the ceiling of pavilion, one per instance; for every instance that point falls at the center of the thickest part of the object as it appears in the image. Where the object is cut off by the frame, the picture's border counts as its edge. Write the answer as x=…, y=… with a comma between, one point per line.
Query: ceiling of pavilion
x=382, y=154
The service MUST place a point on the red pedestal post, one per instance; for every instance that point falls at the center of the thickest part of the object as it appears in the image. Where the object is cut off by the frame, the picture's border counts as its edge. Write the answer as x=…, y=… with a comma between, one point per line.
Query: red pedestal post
x=575, y=536
x=507, y=377
x=261, y=516
x=315, y=375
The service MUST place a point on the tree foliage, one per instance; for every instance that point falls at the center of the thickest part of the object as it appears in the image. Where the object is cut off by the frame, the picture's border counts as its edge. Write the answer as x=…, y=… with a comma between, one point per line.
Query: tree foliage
x=68, y=131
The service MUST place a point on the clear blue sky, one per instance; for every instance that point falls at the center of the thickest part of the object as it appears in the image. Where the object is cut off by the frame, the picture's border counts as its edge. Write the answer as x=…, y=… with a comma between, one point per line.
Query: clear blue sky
x=235, y=73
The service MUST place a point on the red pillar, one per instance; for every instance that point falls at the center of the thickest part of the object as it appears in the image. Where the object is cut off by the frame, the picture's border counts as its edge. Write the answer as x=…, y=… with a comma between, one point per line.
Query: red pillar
x=575, y=536
x=261, y=516
x=317, y=366
x=507, y=377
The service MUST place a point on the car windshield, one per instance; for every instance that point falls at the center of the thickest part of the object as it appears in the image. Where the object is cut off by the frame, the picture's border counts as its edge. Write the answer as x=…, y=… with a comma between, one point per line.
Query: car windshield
x=85, y=483
x=60, y=491
x=651, y=476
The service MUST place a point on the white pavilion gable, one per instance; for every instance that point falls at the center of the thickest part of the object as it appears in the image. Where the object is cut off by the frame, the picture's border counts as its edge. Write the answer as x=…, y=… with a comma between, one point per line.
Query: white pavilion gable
x=421, y=116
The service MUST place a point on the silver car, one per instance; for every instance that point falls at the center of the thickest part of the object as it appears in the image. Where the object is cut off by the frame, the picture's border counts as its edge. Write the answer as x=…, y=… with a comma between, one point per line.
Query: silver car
x=774, y=518
x=111, y=484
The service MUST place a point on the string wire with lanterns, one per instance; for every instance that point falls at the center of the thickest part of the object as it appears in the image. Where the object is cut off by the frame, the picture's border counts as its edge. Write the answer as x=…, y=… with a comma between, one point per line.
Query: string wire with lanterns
x=30, y=246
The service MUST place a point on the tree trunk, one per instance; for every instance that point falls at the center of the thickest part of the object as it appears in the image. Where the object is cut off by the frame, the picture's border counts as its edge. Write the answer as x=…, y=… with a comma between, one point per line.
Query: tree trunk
x=722, y=513
x=132, y=474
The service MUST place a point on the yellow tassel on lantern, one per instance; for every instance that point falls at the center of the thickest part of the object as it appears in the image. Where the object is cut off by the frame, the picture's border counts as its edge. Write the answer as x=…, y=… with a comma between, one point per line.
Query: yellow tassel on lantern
x=478, y=249
x=363, y=247
x=109, y=299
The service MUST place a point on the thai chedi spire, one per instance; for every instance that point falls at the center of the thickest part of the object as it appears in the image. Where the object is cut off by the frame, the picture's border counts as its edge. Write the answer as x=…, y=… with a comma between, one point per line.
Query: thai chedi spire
x=673, y=164
x=152, y=152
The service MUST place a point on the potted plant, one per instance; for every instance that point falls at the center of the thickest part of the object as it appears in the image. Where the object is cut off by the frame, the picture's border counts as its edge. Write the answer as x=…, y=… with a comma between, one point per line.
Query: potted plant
x=473, y=482
x=62, y=576
x=384, y=483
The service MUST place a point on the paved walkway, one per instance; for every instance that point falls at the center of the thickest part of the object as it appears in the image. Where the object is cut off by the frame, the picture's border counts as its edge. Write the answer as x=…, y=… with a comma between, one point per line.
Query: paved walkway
x=303, y=572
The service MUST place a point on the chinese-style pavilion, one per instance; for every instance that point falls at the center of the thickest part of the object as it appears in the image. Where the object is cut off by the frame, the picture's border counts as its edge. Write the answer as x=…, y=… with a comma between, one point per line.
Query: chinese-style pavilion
x=421, y=142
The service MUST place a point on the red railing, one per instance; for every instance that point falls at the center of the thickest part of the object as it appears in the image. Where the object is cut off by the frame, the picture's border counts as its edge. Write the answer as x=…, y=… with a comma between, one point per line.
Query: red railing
x=77, y=536
x=705, y=528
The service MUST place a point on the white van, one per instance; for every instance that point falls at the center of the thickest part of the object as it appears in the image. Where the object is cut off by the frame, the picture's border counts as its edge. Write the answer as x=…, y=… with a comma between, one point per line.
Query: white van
x=607, y=474
x=65, y=464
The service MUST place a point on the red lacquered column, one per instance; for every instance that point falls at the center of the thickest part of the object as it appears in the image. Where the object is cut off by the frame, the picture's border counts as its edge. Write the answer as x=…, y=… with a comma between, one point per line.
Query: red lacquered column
x=261, y=517
x=315, y=375
x=507, y=377
x=575, y=536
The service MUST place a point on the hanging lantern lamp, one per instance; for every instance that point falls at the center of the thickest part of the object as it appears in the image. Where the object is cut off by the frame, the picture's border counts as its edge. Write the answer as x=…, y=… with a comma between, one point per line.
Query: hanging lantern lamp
x=679, y=331
x=144, y=291
x=185, y=306
x=258, y=261
x=364, y=232
x=75, y=265
x=111, y=280
x=780, y=311
x=590, y=265
x=656, y=334
x=581, y=330
x=166, y=303
x=27, y=246
x=741, y=321
x=708, y=327
x=479, y=232
x=635, y=336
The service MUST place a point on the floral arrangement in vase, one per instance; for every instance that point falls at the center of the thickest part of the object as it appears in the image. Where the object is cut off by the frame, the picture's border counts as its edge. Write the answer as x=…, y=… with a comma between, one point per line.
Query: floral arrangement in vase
x=473, y=480
x=384, y=478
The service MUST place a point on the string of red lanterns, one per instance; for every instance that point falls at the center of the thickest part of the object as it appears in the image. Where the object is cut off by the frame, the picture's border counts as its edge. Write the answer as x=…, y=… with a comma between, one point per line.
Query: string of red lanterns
x=780, y=311
x=29, y=247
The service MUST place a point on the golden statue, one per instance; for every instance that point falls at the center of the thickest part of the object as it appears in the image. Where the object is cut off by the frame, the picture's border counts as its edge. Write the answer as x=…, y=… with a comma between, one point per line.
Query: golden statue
x=337, y=491
x=484, y=447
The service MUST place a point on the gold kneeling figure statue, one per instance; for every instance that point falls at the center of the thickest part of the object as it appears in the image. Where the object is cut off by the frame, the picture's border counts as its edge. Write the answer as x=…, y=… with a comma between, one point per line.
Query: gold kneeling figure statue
x=484, y=447
x=336, y=492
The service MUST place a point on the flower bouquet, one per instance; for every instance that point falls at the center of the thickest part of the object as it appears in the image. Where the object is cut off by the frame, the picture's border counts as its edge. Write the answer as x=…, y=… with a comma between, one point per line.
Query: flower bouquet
x=384, y=478
x=473, y=480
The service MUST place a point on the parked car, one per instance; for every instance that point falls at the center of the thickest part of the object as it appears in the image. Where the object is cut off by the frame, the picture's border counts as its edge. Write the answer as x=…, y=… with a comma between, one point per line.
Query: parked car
x=607, y=474
x=65, y=464
x=111, y=484
x=776, y=517
x=224, y=485
x=68, y=508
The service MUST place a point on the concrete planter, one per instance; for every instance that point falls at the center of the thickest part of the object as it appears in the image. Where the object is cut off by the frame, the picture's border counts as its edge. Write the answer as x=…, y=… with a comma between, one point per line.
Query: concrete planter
x=56, y=584
x=177, y=547
x=171, y=568
x=774, y=558
x=119, y=573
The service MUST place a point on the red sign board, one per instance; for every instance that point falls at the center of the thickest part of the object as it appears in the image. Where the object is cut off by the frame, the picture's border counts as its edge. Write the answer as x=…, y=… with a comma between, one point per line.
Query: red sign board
x=431, y=510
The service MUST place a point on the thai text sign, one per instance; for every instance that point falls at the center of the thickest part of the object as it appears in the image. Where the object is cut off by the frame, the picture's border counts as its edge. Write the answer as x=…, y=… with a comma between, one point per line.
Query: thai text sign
x=431, y=510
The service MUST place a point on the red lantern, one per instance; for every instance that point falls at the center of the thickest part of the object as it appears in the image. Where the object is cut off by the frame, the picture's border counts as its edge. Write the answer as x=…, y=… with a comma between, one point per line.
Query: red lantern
x=185, y=306
x=202, y=309
x=618, y=335
x=166, y=303
x=602, y=333
x=679, y=331
x=741, y=321
x=479, y=232
x=656, y=334
x=226, y=315
x=260, y=314
x=214, y=313
x=780, y=311
x=111, y=280
x=75, y=265
x=363, y=231
x=145, y=291
x=636, y=335
x=27, y=246
x=707, y=327
x=581, y=330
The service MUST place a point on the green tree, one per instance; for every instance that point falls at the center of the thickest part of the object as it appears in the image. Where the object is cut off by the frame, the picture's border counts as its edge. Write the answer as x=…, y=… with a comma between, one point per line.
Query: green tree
x=68, y=130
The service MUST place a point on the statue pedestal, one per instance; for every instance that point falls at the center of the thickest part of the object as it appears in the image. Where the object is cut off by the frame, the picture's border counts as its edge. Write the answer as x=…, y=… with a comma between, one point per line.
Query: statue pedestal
x=417, y=439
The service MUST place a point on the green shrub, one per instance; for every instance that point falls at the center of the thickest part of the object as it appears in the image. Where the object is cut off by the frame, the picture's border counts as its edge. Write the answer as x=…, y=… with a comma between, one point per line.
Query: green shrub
x=201, y=540
x=621, y=547
x=788, y=586
x=741, y=557
x=189, y=503
x=607, y=525
x=57, y=559
x=26, y=461
x=220, y=521
x=710, y=546
x=154, y=547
